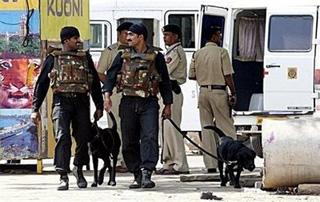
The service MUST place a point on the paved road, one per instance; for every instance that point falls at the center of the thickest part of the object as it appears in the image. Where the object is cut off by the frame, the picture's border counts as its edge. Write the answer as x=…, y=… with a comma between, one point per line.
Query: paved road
x=32, y=187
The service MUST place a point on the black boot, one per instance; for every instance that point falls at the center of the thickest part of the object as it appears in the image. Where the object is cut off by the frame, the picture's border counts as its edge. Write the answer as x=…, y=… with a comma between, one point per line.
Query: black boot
x=136, y=184
x=64, y=182
x=146, y=181
x=81, y=181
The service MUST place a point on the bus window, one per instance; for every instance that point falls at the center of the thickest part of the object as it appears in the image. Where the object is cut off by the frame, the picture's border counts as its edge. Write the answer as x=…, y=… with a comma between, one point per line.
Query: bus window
x=187, y=25
x=151, y=25
x=208, y=22
x=290, y=33
x=99, y=35
x=96, y=36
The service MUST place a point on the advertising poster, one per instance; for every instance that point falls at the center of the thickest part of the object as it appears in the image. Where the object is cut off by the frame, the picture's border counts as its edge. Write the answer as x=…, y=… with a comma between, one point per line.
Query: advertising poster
x=19, y=68
x=56, y=14
x=18, y=137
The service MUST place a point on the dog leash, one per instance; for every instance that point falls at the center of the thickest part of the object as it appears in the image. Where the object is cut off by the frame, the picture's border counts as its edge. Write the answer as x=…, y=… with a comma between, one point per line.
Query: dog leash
x=195, y=144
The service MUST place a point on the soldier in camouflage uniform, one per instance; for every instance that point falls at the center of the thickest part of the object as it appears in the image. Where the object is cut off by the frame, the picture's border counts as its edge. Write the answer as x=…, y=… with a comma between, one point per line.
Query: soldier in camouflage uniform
x=141, y=73
x=104, y=64
x=72, y=77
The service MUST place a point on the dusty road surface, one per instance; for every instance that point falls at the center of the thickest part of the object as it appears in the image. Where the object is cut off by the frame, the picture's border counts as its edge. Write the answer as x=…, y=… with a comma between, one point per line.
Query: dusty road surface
x=33, y=187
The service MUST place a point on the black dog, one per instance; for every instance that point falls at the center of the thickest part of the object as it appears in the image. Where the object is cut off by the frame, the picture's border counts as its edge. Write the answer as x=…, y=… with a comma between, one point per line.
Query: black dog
x=105, y=144
x=236, y=154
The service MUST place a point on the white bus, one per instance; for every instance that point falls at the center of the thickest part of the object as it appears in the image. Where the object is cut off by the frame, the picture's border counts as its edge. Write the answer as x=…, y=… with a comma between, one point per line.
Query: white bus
x=274, y=47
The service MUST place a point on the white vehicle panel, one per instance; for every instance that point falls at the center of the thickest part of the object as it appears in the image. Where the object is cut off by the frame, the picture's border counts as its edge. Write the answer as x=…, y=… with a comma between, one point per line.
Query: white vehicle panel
x=288, y=81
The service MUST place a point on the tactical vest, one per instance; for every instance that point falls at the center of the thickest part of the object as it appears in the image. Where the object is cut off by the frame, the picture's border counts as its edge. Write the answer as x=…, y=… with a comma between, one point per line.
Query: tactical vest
x=138, y=76
x=70, y=73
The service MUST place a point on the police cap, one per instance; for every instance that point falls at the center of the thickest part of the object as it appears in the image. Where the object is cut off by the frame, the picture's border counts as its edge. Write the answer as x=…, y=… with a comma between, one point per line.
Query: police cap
x=139, y=29
x=172, y=28
x=124, y=26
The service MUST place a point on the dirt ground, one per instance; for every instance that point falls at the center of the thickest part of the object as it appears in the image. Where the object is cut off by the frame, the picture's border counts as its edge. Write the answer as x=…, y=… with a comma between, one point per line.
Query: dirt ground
x=42, y=187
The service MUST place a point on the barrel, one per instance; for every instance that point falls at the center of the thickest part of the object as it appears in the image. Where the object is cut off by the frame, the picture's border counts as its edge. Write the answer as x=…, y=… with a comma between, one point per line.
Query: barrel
x=291, y=151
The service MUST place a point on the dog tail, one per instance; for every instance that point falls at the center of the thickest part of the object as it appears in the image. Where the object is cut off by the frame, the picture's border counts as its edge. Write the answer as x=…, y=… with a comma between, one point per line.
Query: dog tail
x=215, y=129
x=114, y=122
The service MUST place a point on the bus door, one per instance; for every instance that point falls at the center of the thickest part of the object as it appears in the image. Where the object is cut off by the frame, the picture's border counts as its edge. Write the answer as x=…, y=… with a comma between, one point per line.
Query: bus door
x=289, y=59
x=213, y=16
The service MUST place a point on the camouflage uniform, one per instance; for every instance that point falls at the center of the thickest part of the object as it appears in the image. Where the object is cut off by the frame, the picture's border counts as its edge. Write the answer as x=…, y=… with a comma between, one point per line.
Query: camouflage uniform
x=72, y=77
x=141, y=77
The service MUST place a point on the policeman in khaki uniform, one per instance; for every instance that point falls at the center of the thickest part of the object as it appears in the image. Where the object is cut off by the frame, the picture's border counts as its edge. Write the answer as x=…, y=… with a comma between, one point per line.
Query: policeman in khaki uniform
x=72, y=76
x=212, y=70
x=104, y=64
x=173, y=154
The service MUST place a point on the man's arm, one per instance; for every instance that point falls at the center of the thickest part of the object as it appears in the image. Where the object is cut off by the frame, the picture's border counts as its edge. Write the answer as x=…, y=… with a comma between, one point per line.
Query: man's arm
x=233, y=96
x=41, y=88
x=183, y=60
x=165, y=84
x=229, y=81
x=192, y=69
x=111, y=77
x=228, y=71
x=96, y=87
x=104, y=62
x=110, y=81
x=42, y=84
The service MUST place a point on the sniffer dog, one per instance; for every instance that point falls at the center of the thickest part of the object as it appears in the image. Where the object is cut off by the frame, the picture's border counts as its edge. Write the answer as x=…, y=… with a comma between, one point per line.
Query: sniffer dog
x=105, y=144
x=236, y=154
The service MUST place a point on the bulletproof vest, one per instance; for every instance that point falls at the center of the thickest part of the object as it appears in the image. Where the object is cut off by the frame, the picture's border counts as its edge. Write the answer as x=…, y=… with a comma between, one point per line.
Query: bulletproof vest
x=138, y=76
x=70, y=73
